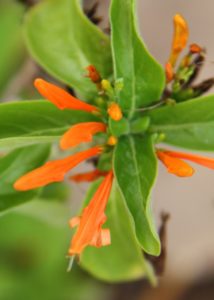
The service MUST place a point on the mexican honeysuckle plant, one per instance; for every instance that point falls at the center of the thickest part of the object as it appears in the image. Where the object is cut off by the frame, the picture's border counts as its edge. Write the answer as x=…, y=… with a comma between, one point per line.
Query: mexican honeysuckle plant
x=125, y=104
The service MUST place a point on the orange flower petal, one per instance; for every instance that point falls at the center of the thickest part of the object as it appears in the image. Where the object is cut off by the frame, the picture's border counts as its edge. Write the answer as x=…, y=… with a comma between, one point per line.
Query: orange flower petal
x=80, y=133
x=61, y=98
x=105, y=237
x=89, y=231
x=102, y=238
x=53, y=171
x=115, y=112
x=181, y=34
x=201, y=160
x=175, y=165
x=88, y=177
x=169, y=72
x=74, y=222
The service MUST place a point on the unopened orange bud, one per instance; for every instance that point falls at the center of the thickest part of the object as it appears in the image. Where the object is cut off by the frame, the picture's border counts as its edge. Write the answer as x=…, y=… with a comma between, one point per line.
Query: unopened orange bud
x=180, y=38
x=169, y=72
x=115, y=112
x=201, y=160
x=175, y=165
x=93, y=74
x=112, y=140
x=194, y=48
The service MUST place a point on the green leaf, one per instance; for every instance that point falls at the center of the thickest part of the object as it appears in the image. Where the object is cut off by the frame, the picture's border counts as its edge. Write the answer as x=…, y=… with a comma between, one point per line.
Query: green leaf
x=55, y=192
x=188, y=124
x=135, y=167
x=123, y=259
x=33, y=240
x=14, y=165
x=33, y=122
x=64, y=42
x=11, y=50
x=143, y=77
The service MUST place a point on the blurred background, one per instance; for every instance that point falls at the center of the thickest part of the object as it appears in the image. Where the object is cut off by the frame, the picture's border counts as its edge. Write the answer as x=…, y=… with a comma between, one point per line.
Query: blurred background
x=33, y=236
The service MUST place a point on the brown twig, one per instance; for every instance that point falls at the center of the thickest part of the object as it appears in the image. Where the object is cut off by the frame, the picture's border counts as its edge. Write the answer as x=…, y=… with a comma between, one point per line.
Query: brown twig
x=160, y=261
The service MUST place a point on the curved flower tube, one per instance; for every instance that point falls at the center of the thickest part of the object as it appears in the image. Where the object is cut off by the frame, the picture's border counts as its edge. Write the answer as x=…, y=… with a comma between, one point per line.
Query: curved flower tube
x=90, y=231
x=53, y=171
x=174, y=162
x=61, y=98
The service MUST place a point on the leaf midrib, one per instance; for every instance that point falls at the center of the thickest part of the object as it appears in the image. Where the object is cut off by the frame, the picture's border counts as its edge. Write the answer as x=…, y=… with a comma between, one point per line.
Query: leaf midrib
x=137, y=170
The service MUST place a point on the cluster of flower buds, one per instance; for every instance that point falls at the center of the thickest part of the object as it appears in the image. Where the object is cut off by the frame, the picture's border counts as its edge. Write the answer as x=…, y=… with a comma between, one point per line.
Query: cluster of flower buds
x=181, y=77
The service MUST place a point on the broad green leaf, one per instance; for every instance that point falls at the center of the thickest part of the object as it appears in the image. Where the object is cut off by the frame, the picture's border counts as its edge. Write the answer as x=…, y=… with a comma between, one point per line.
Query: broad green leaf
x=188, y=124
x=33, y=240
x=12, y=49
x=14, y=165
x=123, y=259
x=64, y=42
x=55, y=192
x=135, y=167
x=143, y=77
x=33, y=122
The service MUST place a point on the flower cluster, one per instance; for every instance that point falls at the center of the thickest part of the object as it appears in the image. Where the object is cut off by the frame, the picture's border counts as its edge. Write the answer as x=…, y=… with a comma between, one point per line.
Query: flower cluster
x=89, y=230
x=181, y=76
x=181, y=80
x=178, y=87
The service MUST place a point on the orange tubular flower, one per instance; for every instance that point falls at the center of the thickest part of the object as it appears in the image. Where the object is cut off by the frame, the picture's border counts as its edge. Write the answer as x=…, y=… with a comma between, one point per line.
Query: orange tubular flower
x=200, y=160
x=175, y=165
x=180, y=38
x=173, y=161
x=53, y=171
x=79, y=133
x=90, y=230
x=88, y=177
x=61, y=98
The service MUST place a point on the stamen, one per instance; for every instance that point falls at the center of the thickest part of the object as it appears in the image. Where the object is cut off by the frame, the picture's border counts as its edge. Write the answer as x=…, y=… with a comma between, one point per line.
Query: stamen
x=70, y=264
